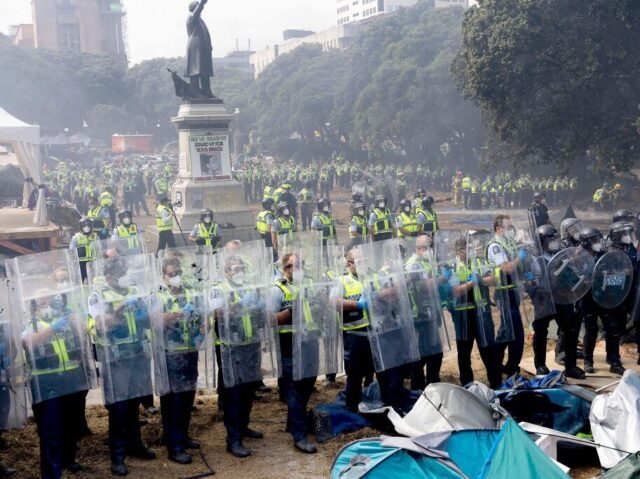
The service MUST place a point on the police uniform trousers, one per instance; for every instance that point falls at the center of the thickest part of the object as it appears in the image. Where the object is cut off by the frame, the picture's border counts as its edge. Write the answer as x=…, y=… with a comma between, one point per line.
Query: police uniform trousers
x=433, y=362
x=466, y=194
x=515, y=347
x=176, y=406
x=568, y=319
x=469, y=324
x=306, y=214
x=296, y=393
x=611, y=323
x=382, y=236
x=166, y=239
x=236, y=402
x=358, y=365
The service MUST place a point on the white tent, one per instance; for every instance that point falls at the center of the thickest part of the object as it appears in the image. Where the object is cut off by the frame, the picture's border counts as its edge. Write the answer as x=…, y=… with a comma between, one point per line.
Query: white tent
x=25, y=142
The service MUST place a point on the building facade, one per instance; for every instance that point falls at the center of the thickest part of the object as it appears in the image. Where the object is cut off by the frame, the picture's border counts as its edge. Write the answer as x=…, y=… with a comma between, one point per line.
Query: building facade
x=350, y=11
x=82, y=26
x=451, y=3
x=22, y=35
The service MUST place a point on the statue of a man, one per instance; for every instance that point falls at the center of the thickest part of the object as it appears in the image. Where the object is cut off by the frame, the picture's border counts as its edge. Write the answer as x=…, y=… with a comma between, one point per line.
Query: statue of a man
x=199, y=53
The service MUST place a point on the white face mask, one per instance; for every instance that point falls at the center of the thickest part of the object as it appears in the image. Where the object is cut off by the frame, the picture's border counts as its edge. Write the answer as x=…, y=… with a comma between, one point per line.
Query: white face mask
x=207, y=219
x=543, y=201
x=576, y=236
x=554, y=246
x=626, y=239
x=86, y=229
x=325, y=209
x=175, y=282
x=361, y=212
x=382, y=205
x=238, y=278
x=124, y=282
x=597, y=247
x=298, y=275
x=407, y=209
x=511, y=234
x=286, y=212
x=126, y=221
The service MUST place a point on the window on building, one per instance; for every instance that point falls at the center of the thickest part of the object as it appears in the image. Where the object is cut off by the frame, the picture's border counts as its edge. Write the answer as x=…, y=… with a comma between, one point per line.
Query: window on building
x=69, y=36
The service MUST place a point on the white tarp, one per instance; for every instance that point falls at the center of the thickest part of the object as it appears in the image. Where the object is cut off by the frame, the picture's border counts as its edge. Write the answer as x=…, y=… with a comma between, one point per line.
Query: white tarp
x=25, y=142
x=615, y=420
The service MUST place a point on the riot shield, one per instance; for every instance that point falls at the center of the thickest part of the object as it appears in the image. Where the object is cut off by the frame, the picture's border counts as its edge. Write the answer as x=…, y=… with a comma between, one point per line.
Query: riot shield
x=612, y=279
x=179, y=323
x=110, y=248
x=52, y=313
x=570, y=275
x=317, y=315
x=450, y=252
x=493, y=294
x=13, y=392
x=533, y=280
x=120, y=325
x=392, y=335
x=245, y=333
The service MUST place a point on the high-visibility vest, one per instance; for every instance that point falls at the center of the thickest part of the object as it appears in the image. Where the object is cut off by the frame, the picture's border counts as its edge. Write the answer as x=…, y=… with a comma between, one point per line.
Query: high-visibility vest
x=431, y=220
x=597, y=196
x=291, y=292
x=207, y=236
x=382, y=224
x=106, y=199
x=361, y=227
x=247, y=325
x=287, y=225
x=426, y=267
x=189, y=328
x=409, y=223
x=352, y=289
x=116, y=299
x=160, y=223
x=58, y=344
x=327, y=228
x=466, y=183
x=130, y=233
x=83, y=243
x=278, y=193
x=267, y=193
x=305, y=195
x=502, y=279
x=261, y=222
x=93, y=213
x=161, y=185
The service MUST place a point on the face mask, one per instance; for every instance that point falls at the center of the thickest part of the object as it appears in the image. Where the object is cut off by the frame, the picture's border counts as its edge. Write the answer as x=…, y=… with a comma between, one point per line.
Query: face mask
x=86, y=229
x=576, y=236
x=207, y=219
x=597, y=247
x=298, y=275
x=382, y=205
x=626, y=239
x=511, y=233
x=543, y=201
x=325, y=209
x=361, y=212
x=47, y=311
x=126, y=221
x=554, y=246
x=285, y=212
x=238, y=278
x=407, y=209
x=124, y=282
x=175, y=282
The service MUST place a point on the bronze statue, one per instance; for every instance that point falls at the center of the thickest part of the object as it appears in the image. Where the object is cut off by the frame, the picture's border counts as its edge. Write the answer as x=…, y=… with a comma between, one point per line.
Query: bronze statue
x=199, y=53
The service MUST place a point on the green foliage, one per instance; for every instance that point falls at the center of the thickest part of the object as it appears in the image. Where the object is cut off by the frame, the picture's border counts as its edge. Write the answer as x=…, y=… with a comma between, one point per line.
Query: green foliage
x=557, y=80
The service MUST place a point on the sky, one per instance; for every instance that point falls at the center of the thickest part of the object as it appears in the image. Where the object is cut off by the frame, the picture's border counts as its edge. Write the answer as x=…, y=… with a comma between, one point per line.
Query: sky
x=157, y=28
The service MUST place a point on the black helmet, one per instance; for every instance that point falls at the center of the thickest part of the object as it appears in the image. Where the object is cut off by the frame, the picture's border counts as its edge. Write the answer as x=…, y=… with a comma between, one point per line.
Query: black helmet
x=123, y=213
x=570, y=229
x=623, y=215
x=403, y=204
x=206, y=213
x=356, y=207
x=356, y=197
x=620, y=230
x=280, y=207
x=322, y=202
x=84, y=221
x=267, y=204
x=428, y=200
x=538, y=196
x=421, y=192
x=548, y=234
x=379, y=199
x=590, y=236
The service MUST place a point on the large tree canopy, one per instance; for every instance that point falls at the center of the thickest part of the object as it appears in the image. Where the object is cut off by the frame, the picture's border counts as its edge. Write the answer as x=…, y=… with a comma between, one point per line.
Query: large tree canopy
x=556, y=80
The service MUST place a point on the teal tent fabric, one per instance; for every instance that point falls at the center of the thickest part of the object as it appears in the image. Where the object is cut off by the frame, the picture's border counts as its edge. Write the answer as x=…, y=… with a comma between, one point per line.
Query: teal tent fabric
x=470, y=449
x=514, y=453
x=629, y=467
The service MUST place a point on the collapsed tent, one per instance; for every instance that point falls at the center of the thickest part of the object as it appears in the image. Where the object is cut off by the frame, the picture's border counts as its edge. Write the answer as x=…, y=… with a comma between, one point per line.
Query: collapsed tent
x=454, y=454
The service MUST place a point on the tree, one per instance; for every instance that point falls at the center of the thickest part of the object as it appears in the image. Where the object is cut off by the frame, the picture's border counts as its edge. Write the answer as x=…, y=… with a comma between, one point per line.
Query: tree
x=556, y=80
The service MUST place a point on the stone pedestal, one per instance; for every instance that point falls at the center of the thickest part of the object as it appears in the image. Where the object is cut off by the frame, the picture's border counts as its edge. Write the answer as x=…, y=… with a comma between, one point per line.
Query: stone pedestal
x=204, y=176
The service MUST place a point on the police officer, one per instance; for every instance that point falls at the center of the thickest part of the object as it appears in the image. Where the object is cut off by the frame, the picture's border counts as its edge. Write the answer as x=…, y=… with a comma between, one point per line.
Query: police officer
x=283, y=224
x=100, y=217
x=237, y=401
x=164, y=224
x=503, y=252
x=264, y=221
x=592, y=241
x=184, y=332
x=380, y=223
x=427, y=216
x=466, y=191
x=127, y=230
x=206, y=232
x=296, y=393
x=82, y=242
x=570, y=232
x=305, y=198
x=123, y=333
x=406, y=221
x=539, y=209
x=358, y=229
x=323, y=223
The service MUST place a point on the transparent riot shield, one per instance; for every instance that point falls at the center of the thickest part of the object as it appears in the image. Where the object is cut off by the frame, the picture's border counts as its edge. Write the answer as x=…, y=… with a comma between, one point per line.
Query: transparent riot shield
x=110, y=248
x=533, y=280
x=493, y=293
x=13, y=392
x=317, y=315
x=570, y=275
x=245, y=333
x=52, y=313
x=450, y=248
x=120, y=325
x=612, y=279
x=421, y=274
x=392, y=335
x=179, y=321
